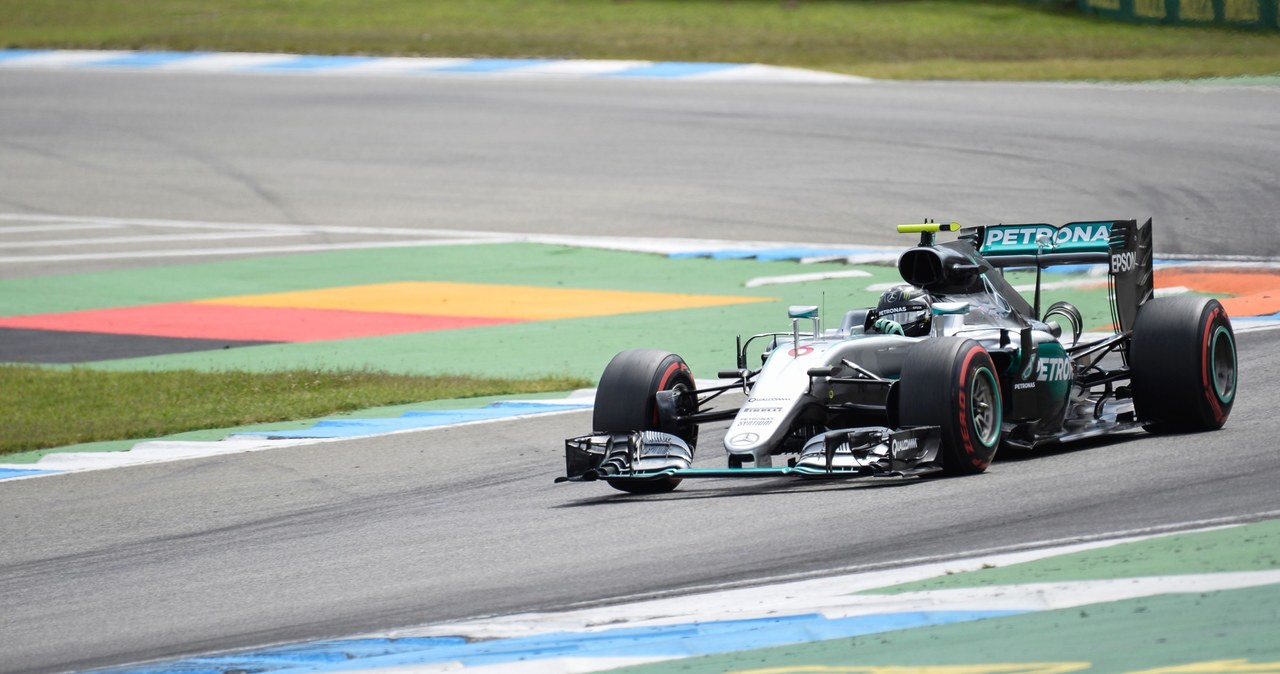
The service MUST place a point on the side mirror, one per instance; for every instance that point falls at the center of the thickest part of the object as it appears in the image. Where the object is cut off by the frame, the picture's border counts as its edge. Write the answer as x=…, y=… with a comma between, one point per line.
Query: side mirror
x=802, y=311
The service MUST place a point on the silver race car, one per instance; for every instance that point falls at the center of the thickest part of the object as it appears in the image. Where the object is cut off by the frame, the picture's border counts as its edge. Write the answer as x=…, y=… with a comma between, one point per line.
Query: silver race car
x=935, y=378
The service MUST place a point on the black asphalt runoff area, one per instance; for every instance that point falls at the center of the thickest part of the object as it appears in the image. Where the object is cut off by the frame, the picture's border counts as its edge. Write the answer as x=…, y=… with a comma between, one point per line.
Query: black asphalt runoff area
x=60, y=347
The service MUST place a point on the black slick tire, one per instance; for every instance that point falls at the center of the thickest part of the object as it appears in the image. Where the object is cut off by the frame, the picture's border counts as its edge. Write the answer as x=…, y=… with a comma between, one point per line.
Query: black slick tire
x=951, y=382
x=626, y=401
x=1183, y=364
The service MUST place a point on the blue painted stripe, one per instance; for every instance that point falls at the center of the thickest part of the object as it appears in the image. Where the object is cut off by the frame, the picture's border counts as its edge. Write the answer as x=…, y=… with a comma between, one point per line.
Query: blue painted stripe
x=9, y=54
x=315, y=63
x=144, y=59
x=720, y=254
x=1071, y=268
x=673, y=69
x=691, y=254
x=9, y=473
x=734, y=254
x=487, y=65
x=681, y=640
x=349, y=428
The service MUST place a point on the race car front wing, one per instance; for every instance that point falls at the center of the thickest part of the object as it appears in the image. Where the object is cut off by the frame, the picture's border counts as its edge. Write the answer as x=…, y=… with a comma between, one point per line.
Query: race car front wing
x=874, y=451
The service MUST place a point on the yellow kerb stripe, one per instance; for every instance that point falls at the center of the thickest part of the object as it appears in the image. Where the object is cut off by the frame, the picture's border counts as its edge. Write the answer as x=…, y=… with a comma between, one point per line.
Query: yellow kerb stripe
x=478, y=300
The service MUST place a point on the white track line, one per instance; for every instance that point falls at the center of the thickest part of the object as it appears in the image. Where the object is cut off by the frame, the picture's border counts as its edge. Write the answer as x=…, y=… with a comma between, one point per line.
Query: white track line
x=216, y=252
x=154, y=238
x=71, y=227
x=661, y=246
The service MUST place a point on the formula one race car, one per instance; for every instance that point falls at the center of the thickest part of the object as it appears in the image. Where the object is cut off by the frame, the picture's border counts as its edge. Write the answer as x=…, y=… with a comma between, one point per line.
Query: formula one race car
x=936, y=377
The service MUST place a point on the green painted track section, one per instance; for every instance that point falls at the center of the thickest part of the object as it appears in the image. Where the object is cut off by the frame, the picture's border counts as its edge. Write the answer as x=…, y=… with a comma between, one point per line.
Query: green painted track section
x=705, y=337
x=1250, y=548
x=1120, y=637
x=1224, y=631
x=580, y=347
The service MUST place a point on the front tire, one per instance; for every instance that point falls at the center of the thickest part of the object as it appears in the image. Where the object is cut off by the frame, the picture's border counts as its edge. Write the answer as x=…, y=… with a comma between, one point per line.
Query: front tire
x=951, y=382
x=626, y=400
x=1183, y=364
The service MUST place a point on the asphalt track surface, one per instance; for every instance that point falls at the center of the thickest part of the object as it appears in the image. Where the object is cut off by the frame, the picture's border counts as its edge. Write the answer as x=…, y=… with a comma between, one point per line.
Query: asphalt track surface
x=352, y=536
x=833, y=164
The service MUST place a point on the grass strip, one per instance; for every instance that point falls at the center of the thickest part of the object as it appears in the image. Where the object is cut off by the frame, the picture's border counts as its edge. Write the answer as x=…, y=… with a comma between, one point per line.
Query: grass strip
x=42, y=408
x=906, y=39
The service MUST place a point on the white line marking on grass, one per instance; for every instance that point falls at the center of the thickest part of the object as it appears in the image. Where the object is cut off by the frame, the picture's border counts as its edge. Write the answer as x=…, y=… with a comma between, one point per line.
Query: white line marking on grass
x=805, y=278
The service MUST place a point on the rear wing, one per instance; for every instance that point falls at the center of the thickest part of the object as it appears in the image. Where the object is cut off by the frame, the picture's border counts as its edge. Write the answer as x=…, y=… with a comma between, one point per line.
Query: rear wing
x=1043, y=245
x=1123, y=245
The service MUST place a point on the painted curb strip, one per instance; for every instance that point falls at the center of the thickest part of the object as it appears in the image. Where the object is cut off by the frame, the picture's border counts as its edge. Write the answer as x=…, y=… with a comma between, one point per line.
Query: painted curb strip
x=157, y=451
x=417, y=420
x=619, y=646
x=715, y=622
x=220, y=62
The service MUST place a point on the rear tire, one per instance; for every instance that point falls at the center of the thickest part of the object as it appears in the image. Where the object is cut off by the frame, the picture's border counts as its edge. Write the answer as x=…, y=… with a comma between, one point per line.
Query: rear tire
x=1183, y=362
x=626, y=400
x=951, y=382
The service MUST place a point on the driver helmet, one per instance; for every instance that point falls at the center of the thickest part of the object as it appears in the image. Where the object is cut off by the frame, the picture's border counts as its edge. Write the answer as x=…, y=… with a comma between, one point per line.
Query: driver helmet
x=908, y=306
